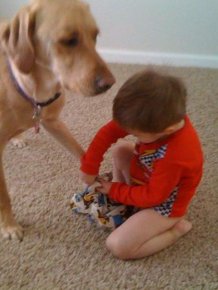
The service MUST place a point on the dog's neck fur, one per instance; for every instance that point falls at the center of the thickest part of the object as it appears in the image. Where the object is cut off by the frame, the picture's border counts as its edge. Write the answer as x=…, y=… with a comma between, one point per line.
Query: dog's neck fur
x=40, y=84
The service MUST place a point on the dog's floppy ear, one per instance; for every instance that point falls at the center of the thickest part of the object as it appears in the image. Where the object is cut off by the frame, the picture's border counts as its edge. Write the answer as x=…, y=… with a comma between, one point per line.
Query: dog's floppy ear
x=17, y=40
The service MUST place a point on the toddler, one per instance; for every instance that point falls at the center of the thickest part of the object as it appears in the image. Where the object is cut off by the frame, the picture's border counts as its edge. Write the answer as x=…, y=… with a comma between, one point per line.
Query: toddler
x=158, y=174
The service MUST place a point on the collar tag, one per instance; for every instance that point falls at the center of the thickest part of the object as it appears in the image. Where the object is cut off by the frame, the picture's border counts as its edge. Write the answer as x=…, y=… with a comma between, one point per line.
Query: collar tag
x=37, y=117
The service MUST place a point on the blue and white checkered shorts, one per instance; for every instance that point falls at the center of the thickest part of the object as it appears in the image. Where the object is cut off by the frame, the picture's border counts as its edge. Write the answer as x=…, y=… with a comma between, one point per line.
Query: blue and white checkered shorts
x=165, y=208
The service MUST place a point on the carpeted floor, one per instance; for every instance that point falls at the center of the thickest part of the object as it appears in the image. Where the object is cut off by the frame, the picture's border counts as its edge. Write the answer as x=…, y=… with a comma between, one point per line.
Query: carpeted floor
x=62, y=251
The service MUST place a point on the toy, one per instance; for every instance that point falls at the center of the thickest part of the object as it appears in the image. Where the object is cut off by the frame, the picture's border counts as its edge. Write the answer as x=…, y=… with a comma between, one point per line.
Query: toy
x=101, y=210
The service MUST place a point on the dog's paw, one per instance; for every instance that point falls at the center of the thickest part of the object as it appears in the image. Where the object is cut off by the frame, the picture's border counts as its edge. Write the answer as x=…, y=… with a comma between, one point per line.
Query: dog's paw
x=14, y=231
x=18, y=142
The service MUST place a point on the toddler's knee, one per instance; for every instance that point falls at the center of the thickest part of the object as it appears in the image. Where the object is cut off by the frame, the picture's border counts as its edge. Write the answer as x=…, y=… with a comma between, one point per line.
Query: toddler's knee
x=116, y=247
x=118, y=150
x=122, y=152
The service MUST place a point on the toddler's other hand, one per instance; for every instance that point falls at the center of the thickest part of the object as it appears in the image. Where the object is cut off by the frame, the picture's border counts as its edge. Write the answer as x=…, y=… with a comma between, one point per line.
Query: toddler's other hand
x=87, y=179
x=105, y=186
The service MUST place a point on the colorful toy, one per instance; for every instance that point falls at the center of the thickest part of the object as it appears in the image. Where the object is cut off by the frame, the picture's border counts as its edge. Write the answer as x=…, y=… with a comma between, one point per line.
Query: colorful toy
x=100, y=209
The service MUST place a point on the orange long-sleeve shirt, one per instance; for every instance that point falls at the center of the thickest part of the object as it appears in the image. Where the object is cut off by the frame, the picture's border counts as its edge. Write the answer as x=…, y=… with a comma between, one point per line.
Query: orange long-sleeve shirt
x=162, y=167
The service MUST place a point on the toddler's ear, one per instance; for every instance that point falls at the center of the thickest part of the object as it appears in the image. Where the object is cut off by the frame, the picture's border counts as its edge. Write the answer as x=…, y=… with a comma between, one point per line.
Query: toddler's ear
x=173, y=128
x=169, y=130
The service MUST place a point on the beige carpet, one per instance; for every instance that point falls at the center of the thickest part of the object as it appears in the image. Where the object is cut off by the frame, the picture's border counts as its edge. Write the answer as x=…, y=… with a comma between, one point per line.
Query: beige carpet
x=62, y=251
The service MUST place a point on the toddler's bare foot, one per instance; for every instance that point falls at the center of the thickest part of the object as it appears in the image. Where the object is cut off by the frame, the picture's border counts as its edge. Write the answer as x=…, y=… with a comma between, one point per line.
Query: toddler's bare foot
x=182, y=228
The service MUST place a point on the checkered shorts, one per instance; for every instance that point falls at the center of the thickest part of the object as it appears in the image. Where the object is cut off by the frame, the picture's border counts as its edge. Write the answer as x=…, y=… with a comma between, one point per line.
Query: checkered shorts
x=165, y=208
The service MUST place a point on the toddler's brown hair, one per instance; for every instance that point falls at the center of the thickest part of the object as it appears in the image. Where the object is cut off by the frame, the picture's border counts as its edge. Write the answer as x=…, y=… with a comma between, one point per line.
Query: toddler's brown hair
x=150, y=102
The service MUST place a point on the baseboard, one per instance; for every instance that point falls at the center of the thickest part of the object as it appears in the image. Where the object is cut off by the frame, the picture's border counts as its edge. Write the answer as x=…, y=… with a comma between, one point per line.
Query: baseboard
x=141, y=57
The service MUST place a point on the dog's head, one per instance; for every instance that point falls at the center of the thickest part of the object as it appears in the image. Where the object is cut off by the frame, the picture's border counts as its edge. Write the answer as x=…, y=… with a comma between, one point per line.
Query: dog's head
x=60, y=35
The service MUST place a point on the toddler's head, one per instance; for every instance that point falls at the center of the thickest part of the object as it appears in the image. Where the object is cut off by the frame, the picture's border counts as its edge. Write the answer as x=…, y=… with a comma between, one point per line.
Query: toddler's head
x=150, y=102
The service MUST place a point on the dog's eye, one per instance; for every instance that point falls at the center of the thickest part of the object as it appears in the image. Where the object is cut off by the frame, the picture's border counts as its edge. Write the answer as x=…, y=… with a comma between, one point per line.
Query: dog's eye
x=71, y=41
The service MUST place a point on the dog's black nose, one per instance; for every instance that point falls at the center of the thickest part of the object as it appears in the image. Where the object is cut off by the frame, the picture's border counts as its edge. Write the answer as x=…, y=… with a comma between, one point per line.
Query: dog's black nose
x=103, y=83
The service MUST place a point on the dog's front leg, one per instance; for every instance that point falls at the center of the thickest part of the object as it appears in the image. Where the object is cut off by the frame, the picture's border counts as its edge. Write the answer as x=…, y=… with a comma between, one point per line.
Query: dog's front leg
x=60, y=131
x=9, y=227
x=19, y=141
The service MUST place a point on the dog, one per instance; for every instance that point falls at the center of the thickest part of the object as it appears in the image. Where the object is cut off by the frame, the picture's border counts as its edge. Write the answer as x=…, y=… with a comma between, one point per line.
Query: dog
x=49, y=48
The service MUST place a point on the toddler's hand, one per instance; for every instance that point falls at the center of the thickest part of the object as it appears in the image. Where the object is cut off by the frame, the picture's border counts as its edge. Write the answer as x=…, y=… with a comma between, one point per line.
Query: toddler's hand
x=105, y=186
x=87, y=179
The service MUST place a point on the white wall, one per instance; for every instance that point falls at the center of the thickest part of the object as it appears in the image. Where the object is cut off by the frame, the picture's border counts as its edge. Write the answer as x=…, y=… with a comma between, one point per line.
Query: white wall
x=178, y=32
x=9, y=7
